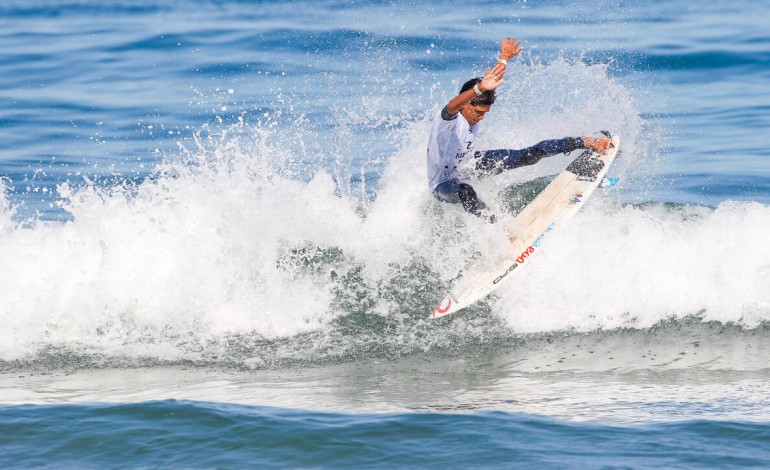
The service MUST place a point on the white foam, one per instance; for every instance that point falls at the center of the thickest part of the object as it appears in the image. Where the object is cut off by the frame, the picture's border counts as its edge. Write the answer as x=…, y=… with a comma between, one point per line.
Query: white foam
x=626, y=266
x=193, y=253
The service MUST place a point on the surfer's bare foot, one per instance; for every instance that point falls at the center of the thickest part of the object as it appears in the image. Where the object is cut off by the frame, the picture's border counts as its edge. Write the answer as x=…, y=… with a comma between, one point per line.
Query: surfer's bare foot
x=601, y=145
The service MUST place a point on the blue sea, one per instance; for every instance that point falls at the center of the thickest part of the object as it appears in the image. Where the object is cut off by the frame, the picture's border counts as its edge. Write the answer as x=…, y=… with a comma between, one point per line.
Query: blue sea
x=218, y=248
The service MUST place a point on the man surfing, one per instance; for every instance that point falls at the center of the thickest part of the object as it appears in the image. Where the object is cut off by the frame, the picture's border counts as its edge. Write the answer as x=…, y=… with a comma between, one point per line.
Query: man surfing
x=453, y=137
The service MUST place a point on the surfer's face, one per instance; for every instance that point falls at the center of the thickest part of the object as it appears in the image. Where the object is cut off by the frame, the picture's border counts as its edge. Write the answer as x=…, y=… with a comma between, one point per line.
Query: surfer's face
x=474, y=114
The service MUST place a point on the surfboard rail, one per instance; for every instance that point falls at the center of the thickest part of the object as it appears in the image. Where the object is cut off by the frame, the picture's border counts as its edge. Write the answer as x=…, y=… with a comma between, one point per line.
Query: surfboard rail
x=560, y=200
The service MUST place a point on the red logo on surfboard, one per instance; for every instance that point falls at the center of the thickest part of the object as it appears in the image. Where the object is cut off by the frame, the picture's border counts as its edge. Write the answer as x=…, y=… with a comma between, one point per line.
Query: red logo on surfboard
x=440, y=310
x=525, y=254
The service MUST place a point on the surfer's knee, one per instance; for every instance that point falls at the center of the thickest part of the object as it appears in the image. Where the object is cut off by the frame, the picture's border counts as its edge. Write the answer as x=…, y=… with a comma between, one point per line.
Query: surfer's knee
x=472, y=204
x=448, y=191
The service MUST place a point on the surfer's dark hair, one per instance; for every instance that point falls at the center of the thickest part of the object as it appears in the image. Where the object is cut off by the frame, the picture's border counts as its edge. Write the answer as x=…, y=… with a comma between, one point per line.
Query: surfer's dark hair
x=485, y=99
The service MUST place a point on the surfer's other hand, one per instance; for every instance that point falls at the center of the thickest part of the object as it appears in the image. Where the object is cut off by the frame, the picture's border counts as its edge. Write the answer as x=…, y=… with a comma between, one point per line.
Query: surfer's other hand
x=601, y=145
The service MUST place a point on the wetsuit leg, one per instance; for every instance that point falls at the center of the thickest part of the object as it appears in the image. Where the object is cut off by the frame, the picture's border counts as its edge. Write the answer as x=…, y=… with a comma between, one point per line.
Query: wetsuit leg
x=455, y=192
x=496, y=161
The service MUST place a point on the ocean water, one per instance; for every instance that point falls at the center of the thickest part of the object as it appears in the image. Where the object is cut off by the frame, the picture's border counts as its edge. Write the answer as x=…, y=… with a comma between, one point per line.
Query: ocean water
x=218, y=249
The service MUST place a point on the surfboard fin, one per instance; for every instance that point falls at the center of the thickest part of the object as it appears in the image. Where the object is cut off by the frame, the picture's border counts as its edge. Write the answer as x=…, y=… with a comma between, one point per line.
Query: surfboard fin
x=609, y=182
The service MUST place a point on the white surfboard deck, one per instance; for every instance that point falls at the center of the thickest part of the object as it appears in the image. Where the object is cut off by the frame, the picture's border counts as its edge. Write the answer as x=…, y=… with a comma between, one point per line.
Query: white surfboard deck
x=560, y=200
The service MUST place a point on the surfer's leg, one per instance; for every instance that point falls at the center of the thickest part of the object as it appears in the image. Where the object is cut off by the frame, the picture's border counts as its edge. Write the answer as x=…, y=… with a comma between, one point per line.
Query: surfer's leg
x=455, y=192
x=496, y=161
x=470, y=200
x=448, y=191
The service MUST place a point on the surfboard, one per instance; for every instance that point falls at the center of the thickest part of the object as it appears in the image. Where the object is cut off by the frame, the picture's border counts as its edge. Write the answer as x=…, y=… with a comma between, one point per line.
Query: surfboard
x=560, y=200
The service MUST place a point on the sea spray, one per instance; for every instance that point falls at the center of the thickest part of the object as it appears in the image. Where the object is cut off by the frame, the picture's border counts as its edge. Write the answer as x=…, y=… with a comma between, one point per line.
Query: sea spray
x=244, y=249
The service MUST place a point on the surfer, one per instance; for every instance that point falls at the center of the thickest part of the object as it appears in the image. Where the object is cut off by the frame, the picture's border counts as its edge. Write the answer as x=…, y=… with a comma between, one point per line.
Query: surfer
x=453, y=137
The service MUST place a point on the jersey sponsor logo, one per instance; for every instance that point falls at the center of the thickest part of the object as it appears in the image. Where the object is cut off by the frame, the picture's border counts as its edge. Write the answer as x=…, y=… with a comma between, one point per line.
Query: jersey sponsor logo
x=460, y=156
x=507, y=271
x=469, y=144
x=525, y=254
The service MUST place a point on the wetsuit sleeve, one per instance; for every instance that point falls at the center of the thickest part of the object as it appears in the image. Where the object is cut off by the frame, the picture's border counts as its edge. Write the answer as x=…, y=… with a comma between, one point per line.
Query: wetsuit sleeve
x=496, y=161
x=446, y=115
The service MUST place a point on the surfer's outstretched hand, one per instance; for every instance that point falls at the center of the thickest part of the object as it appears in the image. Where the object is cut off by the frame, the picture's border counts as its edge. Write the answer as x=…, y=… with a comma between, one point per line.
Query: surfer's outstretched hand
x=509, y=48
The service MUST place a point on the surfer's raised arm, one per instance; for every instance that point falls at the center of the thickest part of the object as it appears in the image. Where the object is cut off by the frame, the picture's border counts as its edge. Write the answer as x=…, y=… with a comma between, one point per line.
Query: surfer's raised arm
x=492, y=78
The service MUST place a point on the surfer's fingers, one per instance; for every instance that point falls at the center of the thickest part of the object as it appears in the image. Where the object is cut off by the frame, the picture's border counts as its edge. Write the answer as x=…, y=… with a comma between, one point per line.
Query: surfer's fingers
x=510, y=47
x=599, y=145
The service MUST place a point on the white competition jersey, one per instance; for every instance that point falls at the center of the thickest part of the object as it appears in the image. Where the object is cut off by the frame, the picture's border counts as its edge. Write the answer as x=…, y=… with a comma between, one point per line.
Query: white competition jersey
x=449, y=143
